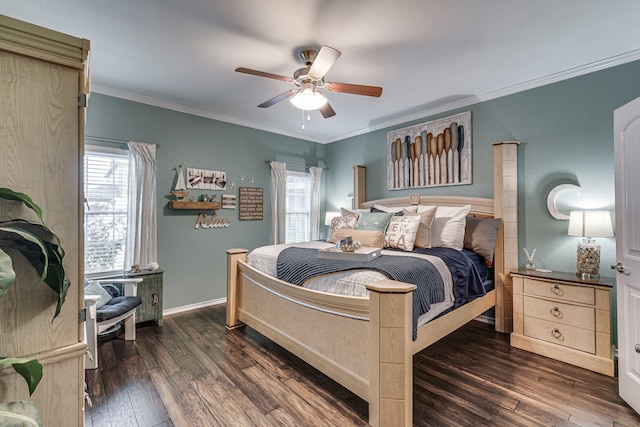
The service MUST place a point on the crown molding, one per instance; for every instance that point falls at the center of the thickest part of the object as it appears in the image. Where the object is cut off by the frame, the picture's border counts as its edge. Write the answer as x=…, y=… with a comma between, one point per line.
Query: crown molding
x=462, y=103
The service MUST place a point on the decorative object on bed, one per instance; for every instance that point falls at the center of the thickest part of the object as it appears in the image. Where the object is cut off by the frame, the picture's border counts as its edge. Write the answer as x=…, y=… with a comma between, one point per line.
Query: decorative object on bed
x=448, y=226
x=401, y=232
x=367, y=238
x=204, y=179
x=347, y=244
x=435, y=153
x=423, y=236
x=366, y=344
x=339, y=223
x=480, y=235
x=373, y=221
x=360, y=254
x=251, y=201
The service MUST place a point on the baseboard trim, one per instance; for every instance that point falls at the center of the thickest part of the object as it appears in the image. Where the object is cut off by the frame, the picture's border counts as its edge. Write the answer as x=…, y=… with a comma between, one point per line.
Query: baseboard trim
x=486, y=319
x=185, y=308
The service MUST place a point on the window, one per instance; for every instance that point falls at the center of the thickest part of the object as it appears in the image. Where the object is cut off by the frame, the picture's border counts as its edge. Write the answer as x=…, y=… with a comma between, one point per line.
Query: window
x=298, y=207
x=105, y=217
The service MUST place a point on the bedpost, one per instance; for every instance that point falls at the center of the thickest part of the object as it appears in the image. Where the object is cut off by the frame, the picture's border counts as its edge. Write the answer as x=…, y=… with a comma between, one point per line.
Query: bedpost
x=391, y=363
x=359, y=185
x=233, y=256
x=505, y=196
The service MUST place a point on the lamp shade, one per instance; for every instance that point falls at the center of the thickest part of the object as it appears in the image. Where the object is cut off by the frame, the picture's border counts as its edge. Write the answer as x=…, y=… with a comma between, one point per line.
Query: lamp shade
x=329, y=216
x=308, y=99
x=590, y=224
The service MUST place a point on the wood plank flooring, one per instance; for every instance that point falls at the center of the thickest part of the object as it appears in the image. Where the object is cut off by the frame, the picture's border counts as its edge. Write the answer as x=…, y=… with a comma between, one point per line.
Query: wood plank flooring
x=191, y=372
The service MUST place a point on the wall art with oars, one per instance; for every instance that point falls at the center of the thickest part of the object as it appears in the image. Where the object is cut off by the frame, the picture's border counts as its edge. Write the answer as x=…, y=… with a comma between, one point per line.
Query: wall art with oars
x=431, y=154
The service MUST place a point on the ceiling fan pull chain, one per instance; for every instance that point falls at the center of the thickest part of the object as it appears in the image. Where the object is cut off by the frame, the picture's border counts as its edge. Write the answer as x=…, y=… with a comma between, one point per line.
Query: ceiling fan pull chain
x=302, y=119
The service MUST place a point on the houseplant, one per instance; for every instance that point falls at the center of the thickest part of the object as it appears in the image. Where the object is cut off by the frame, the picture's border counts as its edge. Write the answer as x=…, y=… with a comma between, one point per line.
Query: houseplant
x=42, y=248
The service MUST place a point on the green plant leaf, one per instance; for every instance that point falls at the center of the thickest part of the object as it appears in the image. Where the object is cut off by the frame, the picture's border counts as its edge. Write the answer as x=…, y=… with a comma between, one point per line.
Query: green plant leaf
x=8, y=194
x=7, y=273
x=30, y=369
x=40, y=261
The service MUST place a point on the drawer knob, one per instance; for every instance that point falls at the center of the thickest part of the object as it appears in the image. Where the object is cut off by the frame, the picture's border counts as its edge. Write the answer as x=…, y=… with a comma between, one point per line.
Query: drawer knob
x=555, y=312
x=557, y=290
x=556, y=333
x=637, y=348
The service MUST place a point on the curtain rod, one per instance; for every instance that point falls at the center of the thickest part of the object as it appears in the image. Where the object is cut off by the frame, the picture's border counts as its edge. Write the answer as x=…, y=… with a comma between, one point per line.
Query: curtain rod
x=118, y=141
x=293, y=164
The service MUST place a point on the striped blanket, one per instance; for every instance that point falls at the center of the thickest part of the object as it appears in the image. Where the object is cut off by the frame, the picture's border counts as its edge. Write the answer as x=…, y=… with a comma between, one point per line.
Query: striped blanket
x=297, y=265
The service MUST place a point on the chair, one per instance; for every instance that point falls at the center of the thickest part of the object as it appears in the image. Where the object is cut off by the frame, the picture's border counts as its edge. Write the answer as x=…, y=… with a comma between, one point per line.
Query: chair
x=105, y=307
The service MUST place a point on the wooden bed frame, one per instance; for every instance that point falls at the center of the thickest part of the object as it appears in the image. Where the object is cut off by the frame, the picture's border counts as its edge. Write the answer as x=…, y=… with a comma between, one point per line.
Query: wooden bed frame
x=366, y=344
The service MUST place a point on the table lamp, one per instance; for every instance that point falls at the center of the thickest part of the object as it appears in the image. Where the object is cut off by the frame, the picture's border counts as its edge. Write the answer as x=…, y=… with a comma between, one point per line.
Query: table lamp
x=589, y=224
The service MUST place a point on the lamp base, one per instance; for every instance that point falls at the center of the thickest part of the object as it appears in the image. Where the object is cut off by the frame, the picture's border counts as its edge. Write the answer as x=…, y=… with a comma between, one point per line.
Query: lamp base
x=588, y=264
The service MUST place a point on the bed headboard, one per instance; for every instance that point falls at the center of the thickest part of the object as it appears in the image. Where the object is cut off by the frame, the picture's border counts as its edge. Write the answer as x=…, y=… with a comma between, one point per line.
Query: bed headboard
x=504, y=204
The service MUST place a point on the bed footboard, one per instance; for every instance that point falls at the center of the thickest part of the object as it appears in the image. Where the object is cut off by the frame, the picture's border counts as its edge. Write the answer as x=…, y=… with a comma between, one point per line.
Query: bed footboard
x=365, y=344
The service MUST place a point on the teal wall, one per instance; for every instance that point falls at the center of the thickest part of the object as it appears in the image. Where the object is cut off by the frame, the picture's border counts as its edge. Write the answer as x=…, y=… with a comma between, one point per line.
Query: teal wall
x=566, y=135
x=194, y=260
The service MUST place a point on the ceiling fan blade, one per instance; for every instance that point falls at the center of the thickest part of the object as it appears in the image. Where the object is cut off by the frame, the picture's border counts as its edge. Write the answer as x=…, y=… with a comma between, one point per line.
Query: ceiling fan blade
x=263, y=74
x=327, y=56
x=354, y=89
x=327, y=111
x=276, y=99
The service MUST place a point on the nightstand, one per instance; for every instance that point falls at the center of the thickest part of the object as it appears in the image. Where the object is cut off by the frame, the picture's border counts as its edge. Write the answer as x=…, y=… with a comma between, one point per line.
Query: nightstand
x=564, y=317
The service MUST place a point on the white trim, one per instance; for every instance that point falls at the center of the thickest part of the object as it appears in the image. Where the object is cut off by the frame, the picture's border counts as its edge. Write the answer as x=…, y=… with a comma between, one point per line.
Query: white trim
x=462, y=103
x=486, y=319
x=185, y=308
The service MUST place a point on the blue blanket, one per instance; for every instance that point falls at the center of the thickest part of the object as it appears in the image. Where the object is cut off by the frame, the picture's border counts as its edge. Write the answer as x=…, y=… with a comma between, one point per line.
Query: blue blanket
x=297, y=265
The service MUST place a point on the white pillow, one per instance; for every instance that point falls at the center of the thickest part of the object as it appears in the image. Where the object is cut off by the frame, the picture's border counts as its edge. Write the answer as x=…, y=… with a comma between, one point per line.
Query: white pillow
x=448, y=226
x=94, y=288
x=395, y=209
x=401, y=232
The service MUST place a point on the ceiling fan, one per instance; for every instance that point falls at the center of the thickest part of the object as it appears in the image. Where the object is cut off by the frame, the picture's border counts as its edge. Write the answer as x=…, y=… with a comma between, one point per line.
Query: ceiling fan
x=309, y=79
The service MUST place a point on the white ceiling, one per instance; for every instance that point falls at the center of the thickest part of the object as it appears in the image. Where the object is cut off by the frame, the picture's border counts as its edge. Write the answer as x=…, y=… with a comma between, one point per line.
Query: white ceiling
x=428, y=55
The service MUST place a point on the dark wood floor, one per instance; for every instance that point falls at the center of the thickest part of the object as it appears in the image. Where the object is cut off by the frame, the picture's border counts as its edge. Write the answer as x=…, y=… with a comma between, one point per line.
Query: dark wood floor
x=193, y=372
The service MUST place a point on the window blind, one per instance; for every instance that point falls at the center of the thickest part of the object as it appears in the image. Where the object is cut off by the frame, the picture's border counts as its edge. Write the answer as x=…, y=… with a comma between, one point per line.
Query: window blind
x=106, y=194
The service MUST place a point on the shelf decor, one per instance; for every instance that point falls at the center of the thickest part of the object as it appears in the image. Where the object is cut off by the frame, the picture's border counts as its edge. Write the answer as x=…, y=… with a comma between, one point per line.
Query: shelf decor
x=203, y=179
x=431, y=154
x=179, y=190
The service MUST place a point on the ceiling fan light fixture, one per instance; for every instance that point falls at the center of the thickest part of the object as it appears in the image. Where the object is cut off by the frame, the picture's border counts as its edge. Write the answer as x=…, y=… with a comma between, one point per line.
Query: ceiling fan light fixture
x=308, y=99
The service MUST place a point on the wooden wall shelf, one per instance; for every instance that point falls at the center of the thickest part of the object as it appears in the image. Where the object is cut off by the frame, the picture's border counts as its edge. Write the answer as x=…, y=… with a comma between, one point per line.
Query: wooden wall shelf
x=185, y=204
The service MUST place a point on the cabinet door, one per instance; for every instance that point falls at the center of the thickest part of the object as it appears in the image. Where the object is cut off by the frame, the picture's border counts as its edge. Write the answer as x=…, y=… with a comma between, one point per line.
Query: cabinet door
x=150, y=290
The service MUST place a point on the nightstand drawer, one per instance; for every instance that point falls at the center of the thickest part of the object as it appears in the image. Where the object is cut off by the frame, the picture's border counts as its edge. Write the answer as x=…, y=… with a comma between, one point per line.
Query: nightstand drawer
x=558, y=312
x=560, y=291
x=557, y=333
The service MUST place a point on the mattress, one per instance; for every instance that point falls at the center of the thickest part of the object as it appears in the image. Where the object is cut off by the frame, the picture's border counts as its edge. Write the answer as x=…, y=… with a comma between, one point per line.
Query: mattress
x=352, y=282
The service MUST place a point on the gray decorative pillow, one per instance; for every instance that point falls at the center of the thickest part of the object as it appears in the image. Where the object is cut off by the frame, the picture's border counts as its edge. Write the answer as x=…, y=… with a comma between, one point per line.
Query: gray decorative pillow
x=340, y=222
x=480, y=236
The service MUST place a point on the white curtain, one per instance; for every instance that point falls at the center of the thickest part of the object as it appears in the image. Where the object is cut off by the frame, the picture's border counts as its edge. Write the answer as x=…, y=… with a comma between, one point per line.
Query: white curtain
x=314, y=214
x=141, y=246
x=278, y=202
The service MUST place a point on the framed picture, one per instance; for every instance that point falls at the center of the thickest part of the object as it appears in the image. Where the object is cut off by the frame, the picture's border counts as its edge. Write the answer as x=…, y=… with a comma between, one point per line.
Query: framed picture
x=228, y=201
x=204, y=179
x=431, y=154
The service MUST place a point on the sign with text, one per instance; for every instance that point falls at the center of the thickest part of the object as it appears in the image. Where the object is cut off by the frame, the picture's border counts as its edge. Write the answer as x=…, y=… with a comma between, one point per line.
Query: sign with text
x=251, y=204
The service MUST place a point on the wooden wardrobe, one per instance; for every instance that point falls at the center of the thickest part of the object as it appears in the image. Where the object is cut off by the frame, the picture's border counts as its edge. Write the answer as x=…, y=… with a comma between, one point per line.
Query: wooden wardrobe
x=41, y=154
